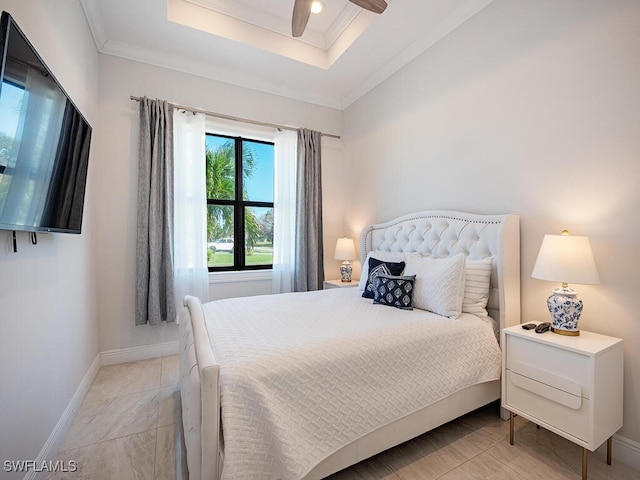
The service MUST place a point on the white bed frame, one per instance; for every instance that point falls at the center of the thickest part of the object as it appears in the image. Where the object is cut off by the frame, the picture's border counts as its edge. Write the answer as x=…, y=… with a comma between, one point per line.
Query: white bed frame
x=434, y=233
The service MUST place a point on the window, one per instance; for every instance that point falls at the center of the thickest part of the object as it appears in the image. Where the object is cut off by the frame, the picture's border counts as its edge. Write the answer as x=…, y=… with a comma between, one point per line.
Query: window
x=239, y=176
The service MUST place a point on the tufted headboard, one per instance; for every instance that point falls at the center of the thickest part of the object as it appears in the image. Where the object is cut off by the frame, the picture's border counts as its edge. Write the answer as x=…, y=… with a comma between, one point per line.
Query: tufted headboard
x=440, y=234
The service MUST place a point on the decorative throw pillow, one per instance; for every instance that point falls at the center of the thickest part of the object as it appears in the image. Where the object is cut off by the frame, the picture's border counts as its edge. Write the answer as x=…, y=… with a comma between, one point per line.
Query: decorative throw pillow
x=476, y=286
x=439, y=285
x=394, y=291
x=385, y=257
x=378, y=267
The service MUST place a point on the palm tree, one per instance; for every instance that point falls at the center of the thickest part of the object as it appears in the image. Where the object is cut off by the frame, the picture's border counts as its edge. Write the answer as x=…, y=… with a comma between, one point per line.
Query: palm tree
x=221, y=185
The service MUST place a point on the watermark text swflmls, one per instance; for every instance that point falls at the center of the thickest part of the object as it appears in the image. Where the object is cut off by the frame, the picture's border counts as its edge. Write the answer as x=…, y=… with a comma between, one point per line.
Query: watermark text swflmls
x=24, y=466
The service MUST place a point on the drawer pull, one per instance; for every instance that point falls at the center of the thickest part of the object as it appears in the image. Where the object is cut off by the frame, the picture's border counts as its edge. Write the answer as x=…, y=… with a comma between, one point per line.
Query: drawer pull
x=559, y=396
x=548, y=378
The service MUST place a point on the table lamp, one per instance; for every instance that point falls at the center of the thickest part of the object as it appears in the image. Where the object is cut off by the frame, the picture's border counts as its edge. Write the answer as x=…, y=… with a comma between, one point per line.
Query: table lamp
x=345, y=251
x=568, y=259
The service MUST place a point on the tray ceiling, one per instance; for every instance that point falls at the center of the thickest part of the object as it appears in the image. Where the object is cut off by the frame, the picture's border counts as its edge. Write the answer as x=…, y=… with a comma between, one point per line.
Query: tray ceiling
x=344, y=52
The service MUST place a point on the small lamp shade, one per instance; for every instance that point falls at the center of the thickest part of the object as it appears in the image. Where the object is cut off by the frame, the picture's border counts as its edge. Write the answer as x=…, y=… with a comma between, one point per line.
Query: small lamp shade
x=345, y=250
x=567, y=259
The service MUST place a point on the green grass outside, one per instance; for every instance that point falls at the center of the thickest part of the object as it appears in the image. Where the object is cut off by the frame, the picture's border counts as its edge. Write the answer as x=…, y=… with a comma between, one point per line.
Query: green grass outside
x=260, y=259
x=225, y=259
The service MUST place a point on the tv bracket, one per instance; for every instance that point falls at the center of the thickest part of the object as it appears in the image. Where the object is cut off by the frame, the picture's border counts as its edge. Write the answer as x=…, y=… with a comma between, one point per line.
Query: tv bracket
x=32, y=235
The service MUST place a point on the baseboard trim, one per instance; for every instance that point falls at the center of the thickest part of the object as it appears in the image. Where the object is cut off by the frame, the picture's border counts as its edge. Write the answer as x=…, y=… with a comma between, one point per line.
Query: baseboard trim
x=134, y=354
x=628, y=451
x=54, y=442
x=625, y=451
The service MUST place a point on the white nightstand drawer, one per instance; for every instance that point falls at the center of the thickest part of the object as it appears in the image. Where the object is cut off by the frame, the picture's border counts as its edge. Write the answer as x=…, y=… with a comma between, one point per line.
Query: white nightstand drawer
x=547, y=384
x=574, y=368
x=551, y=379
x=548, y=407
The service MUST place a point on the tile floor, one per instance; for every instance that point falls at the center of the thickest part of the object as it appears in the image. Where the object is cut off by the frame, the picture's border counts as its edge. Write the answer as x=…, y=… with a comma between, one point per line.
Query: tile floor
x=129, y=427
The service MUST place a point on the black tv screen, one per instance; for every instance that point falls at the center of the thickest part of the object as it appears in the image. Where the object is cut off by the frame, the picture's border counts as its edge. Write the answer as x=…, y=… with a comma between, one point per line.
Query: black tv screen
x=44, y=142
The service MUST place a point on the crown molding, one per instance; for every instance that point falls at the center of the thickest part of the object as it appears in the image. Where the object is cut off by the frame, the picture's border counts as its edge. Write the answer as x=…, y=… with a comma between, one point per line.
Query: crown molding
x=340, y=25
x=265, y=20
x=426, y=41
x=96, y=25
x=215, y=72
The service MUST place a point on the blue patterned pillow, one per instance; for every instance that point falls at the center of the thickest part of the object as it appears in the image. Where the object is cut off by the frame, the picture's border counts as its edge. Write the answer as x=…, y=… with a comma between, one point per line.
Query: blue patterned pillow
x=378, y=267
x=395, y=291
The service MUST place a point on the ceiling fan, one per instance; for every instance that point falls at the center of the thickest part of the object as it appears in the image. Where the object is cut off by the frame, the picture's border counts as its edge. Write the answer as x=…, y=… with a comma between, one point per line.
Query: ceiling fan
x=302, y=10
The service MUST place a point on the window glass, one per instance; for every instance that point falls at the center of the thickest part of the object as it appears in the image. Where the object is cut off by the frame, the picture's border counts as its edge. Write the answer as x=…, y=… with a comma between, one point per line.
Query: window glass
x=221, y=167
x=239, y=176
x=220, y=245
x=258, y=236
x=257, y=165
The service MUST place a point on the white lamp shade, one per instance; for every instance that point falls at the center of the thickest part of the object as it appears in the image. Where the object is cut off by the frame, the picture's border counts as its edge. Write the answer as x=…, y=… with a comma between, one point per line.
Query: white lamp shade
x=345, y=249
x=567, y=259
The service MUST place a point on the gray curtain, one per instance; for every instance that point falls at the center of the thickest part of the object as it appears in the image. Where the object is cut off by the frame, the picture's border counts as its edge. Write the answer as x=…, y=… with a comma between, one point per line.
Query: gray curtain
x=309, y=264
x=154, y=257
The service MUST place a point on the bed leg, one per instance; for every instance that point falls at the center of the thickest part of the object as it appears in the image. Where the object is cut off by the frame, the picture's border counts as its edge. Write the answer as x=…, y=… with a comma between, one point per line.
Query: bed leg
x=504, y=413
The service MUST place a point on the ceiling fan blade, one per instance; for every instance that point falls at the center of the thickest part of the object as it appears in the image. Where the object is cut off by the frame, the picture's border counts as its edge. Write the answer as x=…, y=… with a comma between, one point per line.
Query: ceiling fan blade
x=301, y=12
x=375, y=6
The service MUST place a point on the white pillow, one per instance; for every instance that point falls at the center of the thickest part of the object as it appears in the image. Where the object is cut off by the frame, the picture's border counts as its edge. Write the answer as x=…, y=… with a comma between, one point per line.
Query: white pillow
x=385, y=257
x=439, y=285
x=476, y=287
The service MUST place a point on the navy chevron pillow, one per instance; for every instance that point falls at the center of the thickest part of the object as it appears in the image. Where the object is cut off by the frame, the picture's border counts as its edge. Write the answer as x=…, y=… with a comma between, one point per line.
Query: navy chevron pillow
x=378, y=267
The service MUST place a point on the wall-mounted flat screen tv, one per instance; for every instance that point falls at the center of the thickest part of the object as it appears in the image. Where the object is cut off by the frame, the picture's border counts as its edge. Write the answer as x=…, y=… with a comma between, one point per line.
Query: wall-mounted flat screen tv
x=44, y=142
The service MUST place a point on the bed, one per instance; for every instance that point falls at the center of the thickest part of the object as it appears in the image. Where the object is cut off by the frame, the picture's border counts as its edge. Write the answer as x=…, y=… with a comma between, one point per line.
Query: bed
x=305, y=387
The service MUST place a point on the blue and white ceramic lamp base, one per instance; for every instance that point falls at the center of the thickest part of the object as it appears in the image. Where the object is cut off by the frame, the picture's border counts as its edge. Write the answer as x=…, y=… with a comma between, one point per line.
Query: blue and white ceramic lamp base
x=345, y=271
x=565, y=308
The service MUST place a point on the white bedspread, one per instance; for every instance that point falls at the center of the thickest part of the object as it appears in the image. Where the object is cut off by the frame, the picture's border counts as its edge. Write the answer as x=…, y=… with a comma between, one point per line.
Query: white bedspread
x=305, y=374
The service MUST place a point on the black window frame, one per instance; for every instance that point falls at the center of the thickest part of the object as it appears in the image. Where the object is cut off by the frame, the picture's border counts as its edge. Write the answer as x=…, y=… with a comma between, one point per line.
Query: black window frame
x=239, y=205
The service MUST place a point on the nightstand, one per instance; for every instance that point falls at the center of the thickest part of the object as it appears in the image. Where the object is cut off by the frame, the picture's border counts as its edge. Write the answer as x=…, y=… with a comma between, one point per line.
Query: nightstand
x=571, y=386
x=340, y=284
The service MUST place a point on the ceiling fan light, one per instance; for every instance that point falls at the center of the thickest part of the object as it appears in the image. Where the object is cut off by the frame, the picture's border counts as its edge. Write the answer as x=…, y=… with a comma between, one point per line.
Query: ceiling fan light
x=317, y=6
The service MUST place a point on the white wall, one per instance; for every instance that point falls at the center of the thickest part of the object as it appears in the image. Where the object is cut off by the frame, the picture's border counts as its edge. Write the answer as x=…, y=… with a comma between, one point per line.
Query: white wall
x=532, y=108
x=117, y=150
x=48, y=321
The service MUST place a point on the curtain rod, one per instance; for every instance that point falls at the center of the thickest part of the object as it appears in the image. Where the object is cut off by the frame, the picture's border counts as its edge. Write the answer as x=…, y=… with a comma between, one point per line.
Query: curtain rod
x=236, y=119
